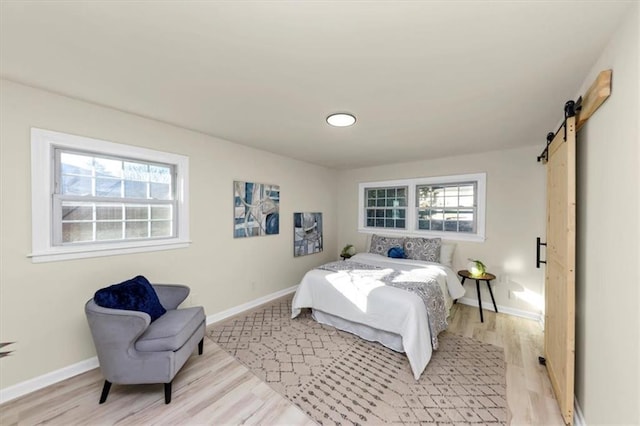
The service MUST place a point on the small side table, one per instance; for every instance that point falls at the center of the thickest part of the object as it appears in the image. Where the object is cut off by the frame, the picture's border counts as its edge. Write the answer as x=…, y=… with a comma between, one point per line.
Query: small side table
x=486, y=277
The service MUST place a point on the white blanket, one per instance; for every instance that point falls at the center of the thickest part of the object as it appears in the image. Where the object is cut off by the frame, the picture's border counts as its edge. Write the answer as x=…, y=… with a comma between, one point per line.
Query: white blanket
x=366, y=300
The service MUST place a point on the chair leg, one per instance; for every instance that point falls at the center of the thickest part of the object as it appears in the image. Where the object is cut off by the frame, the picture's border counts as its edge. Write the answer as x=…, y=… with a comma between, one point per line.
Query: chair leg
x=167, y=393
x=200, y=346
x=105, y=391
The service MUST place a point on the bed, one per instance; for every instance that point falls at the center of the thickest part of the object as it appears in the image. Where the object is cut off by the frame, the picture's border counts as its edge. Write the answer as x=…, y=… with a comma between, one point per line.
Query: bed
x=383, y=299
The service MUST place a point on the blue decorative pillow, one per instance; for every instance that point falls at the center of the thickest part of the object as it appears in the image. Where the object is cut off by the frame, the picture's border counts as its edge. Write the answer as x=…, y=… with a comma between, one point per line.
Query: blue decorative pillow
x=396, y=253
x=135, y=294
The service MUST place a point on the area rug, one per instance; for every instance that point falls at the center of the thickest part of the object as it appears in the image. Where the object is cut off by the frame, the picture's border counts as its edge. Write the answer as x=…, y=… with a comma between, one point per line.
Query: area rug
x=338, y=378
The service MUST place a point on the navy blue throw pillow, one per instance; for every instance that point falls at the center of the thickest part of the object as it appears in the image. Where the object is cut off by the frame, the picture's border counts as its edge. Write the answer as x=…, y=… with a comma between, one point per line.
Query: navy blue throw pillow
x=396, y=253
x=135, y=294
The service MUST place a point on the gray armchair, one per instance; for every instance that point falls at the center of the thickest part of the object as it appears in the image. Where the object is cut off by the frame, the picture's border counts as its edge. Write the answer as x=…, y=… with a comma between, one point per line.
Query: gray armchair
x=133, y=350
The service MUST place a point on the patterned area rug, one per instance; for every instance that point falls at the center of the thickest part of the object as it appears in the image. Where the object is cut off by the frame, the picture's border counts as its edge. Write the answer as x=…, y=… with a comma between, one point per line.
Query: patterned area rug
x=338, y=378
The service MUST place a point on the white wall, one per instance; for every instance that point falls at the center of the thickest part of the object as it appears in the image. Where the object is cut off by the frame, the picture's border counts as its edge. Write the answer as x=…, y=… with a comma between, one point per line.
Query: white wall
x=515, y=217
x=608, y=232
x=41, y=305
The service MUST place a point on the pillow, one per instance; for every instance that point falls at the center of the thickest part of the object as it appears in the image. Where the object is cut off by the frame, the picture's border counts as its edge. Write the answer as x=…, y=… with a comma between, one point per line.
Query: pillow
x=446, y=254
x=427, y=249
x=396, y=253
x=381, y=245
x=135, y=294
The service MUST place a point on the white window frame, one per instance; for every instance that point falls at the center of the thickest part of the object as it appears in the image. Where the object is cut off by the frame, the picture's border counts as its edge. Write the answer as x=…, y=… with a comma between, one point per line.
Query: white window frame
x=43, y=146
x=411, y=217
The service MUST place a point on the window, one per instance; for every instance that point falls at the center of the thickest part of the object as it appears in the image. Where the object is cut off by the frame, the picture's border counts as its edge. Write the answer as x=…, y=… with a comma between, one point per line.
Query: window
x=387, y=207
x=450, y=207
x=94, y=198
x=447, y=207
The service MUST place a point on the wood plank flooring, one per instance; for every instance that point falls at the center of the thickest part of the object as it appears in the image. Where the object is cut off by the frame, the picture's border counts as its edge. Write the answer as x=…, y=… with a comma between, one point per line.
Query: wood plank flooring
x=215, y=389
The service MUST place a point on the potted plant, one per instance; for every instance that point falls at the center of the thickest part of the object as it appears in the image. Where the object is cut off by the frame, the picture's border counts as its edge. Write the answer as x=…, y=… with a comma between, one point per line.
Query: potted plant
x=476, y=268
x=348, y=251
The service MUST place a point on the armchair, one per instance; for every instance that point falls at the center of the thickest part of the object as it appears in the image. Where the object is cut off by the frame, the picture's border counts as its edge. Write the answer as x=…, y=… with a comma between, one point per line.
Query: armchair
x=133, y=350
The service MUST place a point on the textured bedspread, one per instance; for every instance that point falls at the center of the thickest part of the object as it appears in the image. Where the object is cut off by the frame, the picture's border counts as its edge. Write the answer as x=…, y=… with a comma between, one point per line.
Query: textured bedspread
x=362, y=296
x=426, y=287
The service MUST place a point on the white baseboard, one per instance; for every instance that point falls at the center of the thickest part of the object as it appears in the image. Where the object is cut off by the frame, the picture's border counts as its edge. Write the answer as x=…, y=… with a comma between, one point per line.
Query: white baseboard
x=220, y=316
x=32, y=385
x=578, y=417
x=502, y=309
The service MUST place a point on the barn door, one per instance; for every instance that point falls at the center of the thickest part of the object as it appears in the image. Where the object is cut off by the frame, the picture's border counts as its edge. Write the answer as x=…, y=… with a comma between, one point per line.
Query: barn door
x=559, y=334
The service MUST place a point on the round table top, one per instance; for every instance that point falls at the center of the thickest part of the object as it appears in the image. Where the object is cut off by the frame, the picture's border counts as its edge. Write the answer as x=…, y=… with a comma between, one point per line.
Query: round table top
x=486, y=276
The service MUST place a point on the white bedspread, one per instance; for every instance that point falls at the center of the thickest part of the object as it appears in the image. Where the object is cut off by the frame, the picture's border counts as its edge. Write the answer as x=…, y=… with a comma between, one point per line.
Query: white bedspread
x=366, y=300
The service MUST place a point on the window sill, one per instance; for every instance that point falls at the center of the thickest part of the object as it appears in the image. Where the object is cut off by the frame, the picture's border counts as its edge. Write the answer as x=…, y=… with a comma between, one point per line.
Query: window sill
x=449, y=236
x=69, y=253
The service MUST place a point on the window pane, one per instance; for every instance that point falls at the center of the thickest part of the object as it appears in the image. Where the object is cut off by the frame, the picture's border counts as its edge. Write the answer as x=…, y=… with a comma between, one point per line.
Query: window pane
x=371, y=222
x=161, y=229
x=451, y=225
x=389, y=223
x=402, y=192
x=140, y=213
x=106, y=187
x=136, y=171
x=160, y=174
x=467, y=190
x=391, y=193
x=424, y=224
x=136, y=229
x=106, y=212
x=371, y=193
x=160, y=212
x=451, y=191
x=400, y=224
x=160, y=191
x=108, y=167
x=466, y=201
x=381, y=202
x=465, y=226
x=75, y=185
x=371, y=203
x=436, y=225
x=77, y=212
x=451, y=201
x=380, y=223
x=466, y=214
x=380, y=193
x=76, y=164
x=77, y=232
x=108, y=231
x=135, y=189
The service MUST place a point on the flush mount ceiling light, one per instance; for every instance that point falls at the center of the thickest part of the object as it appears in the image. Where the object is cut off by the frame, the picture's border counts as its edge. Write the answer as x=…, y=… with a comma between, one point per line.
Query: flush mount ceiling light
x=341, y=119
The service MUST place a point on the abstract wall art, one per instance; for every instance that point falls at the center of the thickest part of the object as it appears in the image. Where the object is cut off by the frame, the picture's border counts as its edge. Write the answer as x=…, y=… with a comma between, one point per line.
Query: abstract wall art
x=256, y=209
x=307, y=233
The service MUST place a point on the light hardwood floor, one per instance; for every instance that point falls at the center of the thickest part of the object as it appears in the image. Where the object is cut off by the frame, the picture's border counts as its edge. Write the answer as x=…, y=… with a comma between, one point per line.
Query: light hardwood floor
x=215, y=389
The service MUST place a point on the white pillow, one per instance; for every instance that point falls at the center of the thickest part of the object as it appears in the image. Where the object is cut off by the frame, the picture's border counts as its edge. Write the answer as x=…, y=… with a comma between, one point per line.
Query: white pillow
x=446, y=254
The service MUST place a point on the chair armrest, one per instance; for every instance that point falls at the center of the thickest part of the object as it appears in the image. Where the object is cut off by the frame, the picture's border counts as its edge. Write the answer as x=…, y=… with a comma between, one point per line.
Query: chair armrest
x=115, y=327
x=171, y=295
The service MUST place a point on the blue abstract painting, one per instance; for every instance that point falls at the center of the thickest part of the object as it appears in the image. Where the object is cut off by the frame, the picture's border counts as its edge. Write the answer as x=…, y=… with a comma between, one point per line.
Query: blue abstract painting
x=307, y=233
x=256, y=209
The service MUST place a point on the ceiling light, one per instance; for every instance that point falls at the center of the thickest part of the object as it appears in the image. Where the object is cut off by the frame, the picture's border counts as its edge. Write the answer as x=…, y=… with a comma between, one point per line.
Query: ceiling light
x=341, y=119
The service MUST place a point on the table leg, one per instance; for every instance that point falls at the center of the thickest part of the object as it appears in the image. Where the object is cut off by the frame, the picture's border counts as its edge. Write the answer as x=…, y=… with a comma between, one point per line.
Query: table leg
x=462, y=284
x=491, y=293
x=479, y=300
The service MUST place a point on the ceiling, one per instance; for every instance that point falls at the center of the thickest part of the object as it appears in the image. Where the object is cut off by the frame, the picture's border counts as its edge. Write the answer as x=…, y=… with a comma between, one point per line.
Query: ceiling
x=426, y=79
